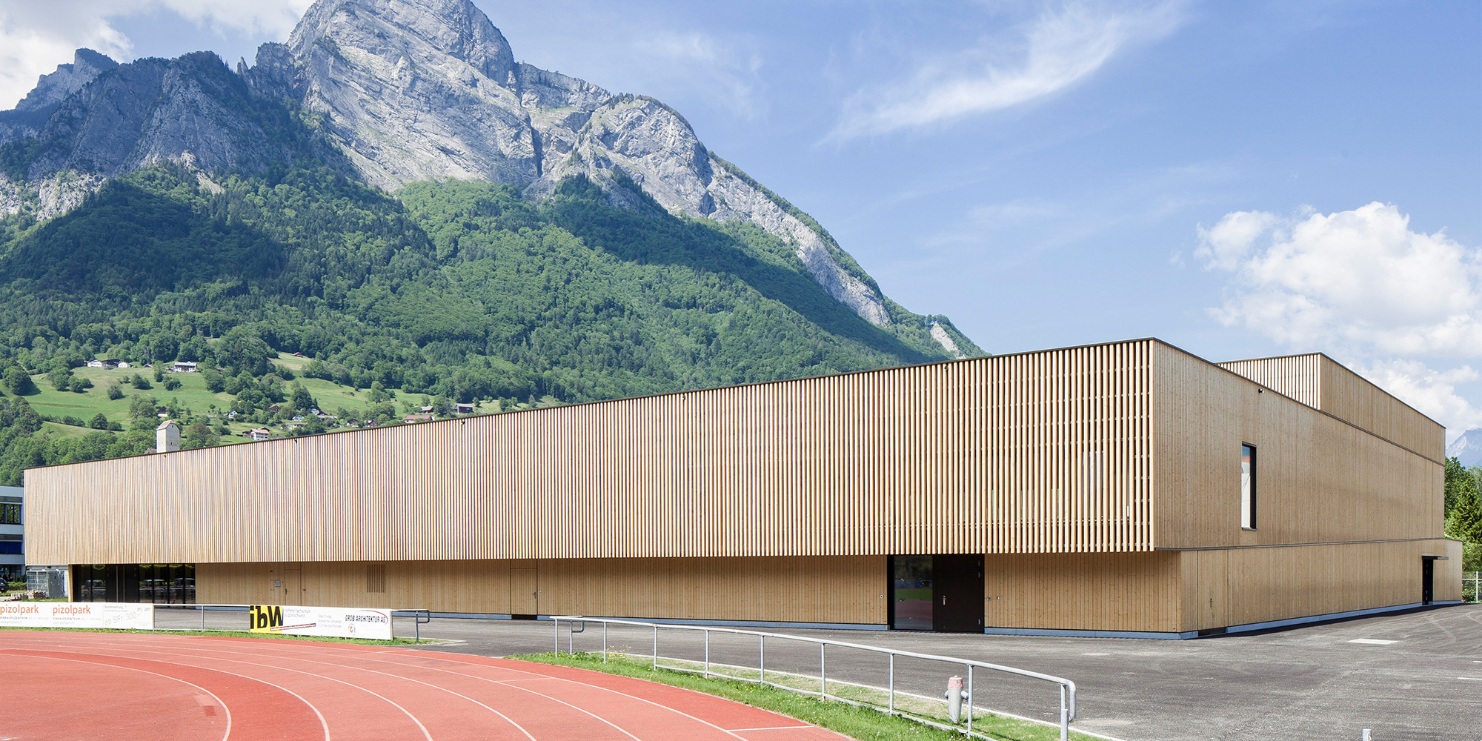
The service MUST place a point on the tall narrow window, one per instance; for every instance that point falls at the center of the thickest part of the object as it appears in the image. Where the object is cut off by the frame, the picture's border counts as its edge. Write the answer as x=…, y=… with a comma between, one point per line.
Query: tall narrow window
x=1248, y=487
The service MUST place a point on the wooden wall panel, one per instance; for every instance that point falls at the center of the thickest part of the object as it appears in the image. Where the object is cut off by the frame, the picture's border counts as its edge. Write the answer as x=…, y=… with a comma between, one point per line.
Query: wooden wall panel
x=1033, y=453
x=1318, y=478
x=1115, y=591
x=819, y=590
x=1297, y=376
x=1253, y=585
x=1322, y=383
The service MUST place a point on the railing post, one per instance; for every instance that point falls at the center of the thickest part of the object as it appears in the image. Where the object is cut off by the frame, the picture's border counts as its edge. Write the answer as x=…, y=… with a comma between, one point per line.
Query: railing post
x=556, y=624
x=822, y=672
x=1064, y=716
x=656, y=647
x=890, y=680
x=761, y=673
x=604, y=641
x=707, y=653
x=969, y=699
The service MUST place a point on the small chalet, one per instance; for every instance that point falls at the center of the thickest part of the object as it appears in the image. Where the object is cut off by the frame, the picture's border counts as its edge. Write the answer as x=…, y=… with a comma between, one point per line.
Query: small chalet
x=415, y=418
x=463, y=409
x=181, y=366
x=259, y=434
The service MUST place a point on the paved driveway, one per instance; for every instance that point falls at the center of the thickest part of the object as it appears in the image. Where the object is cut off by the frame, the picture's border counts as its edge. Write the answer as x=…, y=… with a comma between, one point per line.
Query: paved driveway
x=1412, y=676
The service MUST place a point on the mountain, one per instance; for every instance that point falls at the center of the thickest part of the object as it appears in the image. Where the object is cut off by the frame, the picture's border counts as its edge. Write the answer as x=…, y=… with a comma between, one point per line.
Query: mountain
x=393, y=195
x=1467, y=448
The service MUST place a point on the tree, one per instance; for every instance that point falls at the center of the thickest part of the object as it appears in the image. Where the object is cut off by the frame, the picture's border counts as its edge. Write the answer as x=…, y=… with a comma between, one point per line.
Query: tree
x=1457, y=478
x=301, y=398
x=99, y=421
x=215, y=383
x=378, y=393
x=143, y=407
x=1464, y=521
x=60, y=378
x=19, y=382
x=198, y=435
x=114, y=392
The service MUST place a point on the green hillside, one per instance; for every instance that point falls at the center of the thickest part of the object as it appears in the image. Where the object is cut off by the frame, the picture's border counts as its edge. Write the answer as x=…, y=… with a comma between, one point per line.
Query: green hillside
x=459, y=292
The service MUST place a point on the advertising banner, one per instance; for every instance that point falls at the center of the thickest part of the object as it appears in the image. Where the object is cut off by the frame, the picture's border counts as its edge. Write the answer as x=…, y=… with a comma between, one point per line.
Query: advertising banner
x=333, y=622
x=77, y=615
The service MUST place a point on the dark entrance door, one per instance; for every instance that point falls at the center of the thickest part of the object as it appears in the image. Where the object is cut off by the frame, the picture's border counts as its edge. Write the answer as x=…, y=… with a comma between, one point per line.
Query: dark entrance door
x=958, y=595
x=1427, y=580
x=942, y=593
x=910, y=592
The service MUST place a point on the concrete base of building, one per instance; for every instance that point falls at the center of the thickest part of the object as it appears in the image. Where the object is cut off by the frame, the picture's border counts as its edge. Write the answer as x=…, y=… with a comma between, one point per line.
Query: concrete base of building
x=769, y=624
x=1212, y=632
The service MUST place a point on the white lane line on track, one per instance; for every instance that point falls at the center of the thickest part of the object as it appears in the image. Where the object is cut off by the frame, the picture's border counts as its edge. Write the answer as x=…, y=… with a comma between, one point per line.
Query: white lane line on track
x=507, y=684
x=1472, y=679
x=676, y=711
x=536, y=675
x=174, y=647
x=425, y=732
x=223, y=705
x=175, y=650
x=324, y=724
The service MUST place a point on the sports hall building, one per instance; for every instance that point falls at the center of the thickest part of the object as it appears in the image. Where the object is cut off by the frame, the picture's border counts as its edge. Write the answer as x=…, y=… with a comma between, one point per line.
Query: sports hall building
x=1126, y=488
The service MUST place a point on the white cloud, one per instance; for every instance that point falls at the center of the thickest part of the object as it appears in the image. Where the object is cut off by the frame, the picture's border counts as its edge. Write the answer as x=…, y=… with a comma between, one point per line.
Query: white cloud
x=1061, y=47
x=269, y=18
x=720, y=71
x=35, y=37
x=1403, y=308
x=1227, y=243
x=1358, y=280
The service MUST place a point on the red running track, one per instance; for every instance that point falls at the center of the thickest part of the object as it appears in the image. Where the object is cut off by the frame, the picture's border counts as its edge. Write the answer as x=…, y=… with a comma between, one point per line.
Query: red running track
x=101, y=686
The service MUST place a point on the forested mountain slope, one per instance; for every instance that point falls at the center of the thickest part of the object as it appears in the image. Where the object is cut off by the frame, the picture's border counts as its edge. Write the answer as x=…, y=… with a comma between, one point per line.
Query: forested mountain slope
x=396, y=199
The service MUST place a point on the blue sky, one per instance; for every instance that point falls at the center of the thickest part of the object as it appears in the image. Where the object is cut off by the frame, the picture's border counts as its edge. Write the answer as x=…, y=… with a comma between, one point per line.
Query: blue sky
x=1239, y=179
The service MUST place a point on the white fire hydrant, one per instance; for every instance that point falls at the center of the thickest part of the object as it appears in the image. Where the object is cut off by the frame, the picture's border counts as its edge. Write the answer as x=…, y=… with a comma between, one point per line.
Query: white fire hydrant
x=955, y=697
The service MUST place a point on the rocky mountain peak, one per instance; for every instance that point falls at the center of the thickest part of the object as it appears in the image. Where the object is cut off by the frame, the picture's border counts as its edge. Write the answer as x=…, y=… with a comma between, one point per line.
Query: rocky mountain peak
x=69, y=78
x=406, y=91
x=1467, y=448
x=399, y=31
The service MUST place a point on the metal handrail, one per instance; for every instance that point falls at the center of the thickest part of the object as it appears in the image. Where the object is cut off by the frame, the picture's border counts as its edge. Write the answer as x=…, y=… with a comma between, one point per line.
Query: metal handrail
x=1067, y=687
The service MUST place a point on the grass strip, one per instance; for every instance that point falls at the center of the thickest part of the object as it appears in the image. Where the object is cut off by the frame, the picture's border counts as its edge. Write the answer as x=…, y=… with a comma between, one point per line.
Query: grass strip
x=861, y=723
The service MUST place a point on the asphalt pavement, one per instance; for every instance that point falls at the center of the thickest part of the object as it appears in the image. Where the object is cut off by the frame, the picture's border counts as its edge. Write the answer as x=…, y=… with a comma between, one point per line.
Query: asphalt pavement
x=1415, y=675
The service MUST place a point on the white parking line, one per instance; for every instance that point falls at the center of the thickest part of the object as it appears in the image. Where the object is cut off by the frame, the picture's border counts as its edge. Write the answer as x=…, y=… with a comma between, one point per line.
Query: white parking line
x=1372, y=641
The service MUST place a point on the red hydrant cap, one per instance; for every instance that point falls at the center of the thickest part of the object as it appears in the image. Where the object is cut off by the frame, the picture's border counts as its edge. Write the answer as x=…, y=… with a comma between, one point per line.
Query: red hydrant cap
x=954, y=683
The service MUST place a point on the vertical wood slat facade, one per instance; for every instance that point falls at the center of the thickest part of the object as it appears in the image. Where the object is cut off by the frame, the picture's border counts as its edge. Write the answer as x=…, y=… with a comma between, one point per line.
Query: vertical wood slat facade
x=1041, y=452
x=802, y=590
x=1102, y=483
x=1319, y=382
x=1319, y=479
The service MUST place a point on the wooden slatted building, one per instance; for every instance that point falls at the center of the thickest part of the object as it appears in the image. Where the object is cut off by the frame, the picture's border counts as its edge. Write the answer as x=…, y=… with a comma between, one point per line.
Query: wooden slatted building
x=1128, y=488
